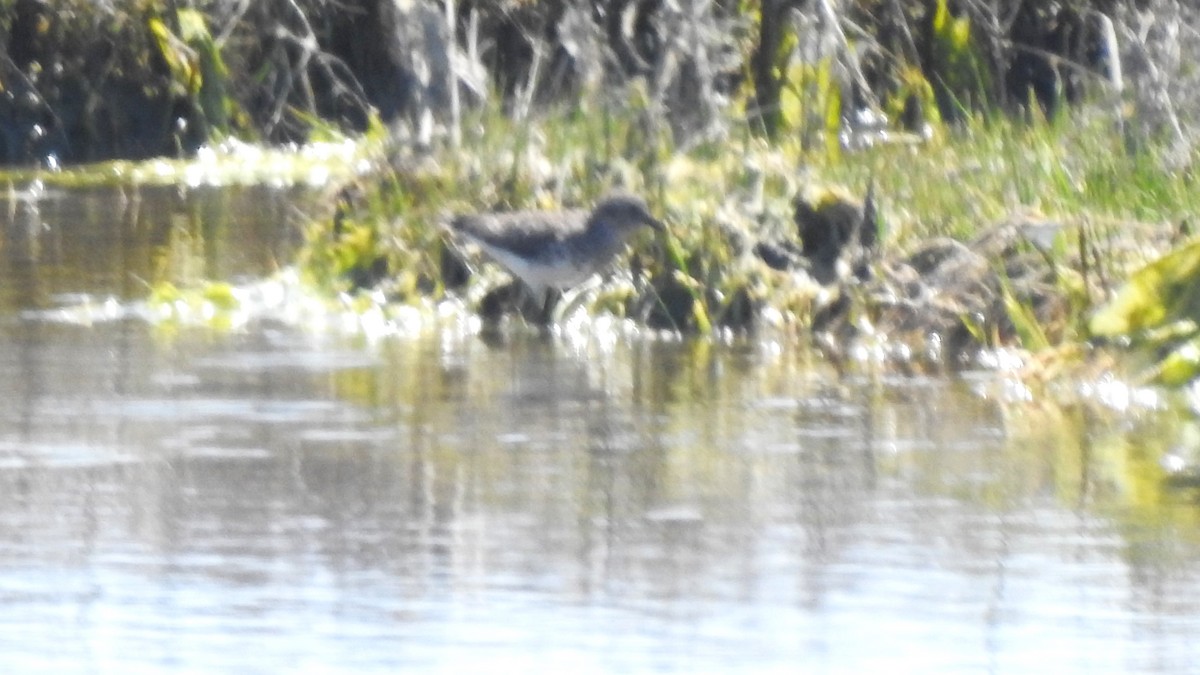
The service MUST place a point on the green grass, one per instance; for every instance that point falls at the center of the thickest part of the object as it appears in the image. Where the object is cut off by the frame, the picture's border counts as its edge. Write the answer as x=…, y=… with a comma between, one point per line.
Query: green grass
x=1117, y=206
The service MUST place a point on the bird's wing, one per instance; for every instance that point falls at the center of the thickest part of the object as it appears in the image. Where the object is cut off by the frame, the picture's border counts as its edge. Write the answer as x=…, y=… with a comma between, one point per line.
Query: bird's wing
x=523, y=231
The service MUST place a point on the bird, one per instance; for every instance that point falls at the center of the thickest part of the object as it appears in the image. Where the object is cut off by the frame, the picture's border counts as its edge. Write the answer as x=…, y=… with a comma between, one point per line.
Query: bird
x=557, y=250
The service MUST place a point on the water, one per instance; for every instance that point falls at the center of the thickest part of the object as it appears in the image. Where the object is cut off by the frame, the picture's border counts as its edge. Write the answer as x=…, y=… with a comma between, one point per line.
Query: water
x=280, y=500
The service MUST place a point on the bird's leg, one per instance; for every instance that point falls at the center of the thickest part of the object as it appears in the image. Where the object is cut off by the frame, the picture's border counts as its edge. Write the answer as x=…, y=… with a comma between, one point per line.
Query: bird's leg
x=534, y=304
x=550, y=298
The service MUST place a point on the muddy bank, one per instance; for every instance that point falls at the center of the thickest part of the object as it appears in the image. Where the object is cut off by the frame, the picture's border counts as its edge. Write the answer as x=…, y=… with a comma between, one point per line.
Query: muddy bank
x=932, y=303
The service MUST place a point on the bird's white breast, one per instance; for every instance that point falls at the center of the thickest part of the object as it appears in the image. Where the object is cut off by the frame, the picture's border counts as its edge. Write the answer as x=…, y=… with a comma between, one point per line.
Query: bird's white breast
x=557, y=270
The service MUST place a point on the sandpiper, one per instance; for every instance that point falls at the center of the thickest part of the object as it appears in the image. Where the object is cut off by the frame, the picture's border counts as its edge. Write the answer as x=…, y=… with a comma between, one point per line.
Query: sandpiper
x=555, y=250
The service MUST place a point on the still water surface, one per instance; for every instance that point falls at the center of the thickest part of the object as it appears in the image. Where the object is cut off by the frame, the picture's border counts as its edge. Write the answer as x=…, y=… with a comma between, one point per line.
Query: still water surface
x=278, y=500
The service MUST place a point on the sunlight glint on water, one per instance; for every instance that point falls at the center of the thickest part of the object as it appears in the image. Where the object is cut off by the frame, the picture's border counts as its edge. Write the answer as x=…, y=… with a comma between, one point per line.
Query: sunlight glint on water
x=277, y=498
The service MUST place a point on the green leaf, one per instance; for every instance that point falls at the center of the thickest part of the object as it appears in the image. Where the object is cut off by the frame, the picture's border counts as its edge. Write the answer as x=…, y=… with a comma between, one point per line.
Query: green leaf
x=1182, y=365
x=221, y=295
x=1024, y=320
x=1163, y=291
x=181, y=59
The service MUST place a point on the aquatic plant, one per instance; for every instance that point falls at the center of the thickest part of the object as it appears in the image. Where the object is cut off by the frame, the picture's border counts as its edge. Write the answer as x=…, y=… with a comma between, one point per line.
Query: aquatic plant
x=728, y=131
x=1158, y=312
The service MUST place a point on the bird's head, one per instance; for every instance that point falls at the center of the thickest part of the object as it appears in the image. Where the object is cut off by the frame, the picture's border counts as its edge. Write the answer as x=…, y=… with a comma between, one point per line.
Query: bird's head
x=626, y=213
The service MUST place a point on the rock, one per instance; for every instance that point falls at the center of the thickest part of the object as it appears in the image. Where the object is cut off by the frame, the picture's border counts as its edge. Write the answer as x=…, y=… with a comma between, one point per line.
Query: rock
x=838, y=233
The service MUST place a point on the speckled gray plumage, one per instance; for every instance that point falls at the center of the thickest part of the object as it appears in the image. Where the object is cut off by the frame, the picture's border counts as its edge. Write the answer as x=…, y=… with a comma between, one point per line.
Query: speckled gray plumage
x=528, y=234
x=556, y=249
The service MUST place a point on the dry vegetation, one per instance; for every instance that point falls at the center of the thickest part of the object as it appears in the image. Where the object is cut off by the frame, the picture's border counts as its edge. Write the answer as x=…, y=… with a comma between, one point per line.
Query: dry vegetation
x=1056, y=139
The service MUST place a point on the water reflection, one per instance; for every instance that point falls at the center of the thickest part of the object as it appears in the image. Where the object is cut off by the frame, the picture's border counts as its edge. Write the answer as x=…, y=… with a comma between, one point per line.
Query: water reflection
x=120, y=239
x=274, y=500
x=277, y=500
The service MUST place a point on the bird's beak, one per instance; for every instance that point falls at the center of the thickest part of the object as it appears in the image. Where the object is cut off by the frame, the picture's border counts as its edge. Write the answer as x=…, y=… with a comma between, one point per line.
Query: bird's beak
x=656, y=225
